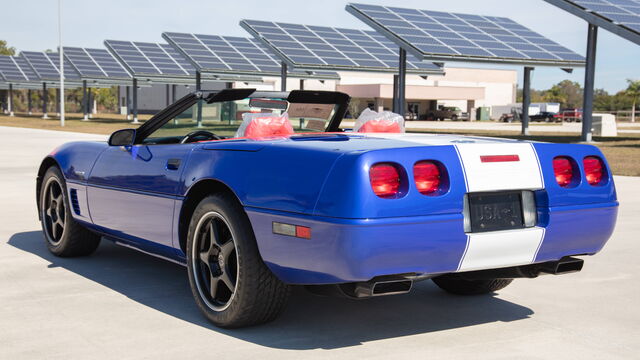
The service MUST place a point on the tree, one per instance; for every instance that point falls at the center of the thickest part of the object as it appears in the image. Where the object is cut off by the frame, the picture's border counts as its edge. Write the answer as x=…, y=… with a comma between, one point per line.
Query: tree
x=633, y=91
x=4, y=50
x=555, y=94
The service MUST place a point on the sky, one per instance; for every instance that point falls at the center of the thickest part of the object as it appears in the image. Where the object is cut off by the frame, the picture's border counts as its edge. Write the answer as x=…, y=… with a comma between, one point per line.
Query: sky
x=32, y=25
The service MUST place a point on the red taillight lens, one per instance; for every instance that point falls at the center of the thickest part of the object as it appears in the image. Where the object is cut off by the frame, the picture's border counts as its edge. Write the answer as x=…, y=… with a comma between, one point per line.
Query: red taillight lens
x=563, y=170
x=593, y=169
x=385, y=180
x=426, y=174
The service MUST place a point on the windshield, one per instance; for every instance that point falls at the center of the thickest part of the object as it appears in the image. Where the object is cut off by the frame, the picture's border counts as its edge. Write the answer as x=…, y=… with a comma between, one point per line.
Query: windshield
x=224, y=119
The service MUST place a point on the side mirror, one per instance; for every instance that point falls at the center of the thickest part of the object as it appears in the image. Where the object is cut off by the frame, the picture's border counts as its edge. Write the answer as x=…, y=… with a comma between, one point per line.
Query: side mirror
x=124, y=137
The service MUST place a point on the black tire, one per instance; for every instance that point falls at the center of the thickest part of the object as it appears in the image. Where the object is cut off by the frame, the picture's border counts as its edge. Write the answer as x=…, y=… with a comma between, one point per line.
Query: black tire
x=456, y=285
x=63, y=235
x=244, y=290
x=454, y=117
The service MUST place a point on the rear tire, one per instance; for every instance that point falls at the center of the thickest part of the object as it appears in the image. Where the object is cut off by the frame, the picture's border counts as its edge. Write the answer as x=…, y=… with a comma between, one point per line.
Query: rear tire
x=231, y=284
x=63, y=235
x=455, y=285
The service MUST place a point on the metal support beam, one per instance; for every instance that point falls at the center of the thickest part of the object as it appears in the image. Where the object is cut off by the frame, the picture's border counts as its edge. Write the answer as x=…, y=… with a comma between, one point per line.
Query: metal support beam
x=199, y=109
x=526, y=99
x=228, y=85
x=394, y=100
x=128, y=95
x=29, y=102
x=11, y=100
x=283, y=77
x=85, y=101
x=135, y=100
x=402, y=81
x=45, y=100
x=90, y=102
x=58, y=102
x=589, y=78
x=173, y=93
x=301, y=84
x=167, y=95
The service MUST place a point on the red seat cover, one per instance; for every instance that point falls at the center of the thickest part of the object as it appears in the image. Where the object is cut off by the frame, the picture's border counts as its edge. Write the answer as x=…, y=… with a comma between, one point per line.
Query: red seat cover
x=380, y=126
x=266, y=126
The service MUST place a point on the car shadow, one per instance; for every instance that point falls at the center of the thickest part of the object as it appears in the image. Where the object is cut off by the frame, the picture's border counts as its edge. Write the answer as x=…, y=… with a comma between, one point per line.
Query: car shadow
x=309, y=322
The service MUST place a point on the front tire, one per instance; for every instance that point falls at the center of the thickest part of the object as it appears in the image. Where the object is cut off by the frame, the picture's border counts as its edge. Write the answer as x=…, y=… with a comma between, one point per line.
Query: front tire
x=63, y=235
x=231, y=284
x=456, y=285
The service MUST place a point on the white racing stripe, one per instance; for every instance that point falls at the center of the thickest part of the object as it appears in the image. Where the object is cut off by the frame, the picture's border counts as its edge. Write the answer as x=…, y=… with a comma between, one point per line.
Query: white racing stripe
x=494, y=176
x=498, y=249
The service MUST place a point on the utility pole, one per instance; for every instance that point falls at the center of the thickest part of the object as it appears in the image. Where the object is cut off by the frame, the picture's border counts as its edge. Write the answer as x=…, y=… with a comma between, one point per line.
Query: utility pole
x=61, y=53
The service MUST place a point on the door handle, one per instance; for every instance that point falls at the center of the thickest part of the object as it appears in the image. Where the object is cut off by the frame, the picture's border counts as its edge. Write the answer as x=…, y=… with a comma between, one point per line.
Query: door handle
x=173, y=164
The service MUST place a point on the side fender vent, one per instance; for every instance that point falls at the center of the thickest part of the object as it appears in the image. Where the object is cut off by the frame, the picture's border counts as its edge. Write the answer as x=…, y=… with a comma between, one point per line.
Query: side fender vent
x=74, y=201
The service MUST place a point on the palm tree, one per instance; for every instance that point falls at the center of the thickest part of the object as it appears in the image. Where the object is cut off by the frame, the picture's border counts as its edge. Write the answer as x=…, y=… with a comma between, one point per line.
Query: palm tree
x=633, y=91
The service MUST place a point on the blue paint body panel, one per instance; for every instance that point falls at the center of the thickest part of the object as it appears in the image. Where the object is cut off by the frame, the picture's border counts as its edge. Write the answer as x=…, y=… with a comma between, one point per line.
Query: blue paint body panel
x=321, y=181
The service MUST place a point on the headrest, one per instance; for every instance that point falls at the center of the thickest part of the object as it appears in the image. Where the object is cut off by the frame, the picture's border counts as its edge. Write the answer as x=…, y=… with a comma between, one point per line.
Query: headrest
x=264, y=125
x=380, y=126
x=370, y=121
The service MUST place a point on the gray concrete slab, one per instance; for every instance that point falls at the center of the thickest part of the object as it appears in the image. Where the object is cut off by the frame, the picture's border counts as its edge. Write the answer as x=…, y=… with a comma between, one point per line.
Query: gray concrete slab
x=119, y=303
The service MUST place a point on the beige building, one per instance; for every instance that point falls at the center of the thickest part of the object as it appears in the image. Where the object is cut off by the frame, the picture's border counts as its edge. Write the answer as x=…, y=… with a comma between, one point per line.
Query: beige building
x=465, y=88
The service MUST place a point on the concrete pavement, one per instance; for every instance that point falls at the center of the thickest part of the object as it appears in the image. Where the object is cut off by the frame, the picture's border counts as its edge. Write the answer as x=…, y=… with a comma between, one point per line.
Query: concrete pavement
x=119, y=303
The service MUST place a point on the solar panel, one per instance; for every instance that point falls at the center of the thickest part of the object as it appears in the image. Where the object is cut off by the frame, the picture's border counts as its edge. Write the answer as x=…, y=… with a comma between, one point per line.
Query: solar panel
x=69, y=72
x=621, y=17
x=438, y=35
x=15, y=69
x=231, y=55
x=150, y=59
x=321, y=47
x=95, y=64
x=41, y=65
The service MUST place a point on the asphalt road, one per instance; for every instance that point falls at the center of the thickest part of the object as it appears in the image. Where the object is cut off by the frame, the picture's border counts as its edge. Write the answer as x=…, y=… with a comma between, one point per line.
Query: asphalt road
x=122, y=304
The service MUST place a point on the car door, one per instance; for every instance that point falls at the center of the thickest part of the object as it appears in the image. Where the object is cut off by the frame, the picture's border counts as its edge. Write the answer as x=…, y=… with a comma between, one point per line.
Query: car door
x=132, y=192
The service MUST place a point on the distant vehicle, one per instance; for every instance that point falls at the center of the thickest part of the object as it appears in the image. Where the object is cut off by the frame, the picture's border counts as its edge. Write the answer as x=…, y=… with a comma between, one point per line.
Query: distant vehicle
x=570, y=115
x=514, y=115
x=545, y=116
x=444, y=112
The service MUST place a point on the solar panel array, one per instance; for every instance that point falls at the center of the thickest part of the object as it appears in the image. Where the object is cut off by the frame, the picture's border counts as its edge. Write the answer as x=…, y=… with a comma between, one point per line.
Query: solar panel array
x=230, y=54
x=151, y=59
x=623, y=12
x=620, y=16
x=321, y=47
x=14, y=69
x=95, y=64
x=441, y=35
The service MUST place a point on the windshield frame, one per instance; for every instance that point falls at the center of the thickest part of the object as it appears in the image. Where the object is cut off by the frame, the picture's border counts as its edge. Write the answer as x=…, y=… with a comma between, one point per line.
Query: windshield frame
x=341, y=100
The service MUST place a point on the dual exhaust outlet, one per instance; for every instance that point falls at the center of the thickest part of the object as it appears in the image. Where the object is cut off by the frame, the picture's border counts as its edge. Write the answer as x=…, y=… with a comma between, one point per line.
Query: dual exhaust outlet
x=402, y=284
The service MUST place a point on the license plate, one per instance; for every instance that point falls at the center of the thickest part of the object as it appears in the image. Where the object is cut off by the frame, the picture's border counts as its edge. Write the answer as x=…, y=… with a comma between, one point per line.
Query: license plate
x=495, y=211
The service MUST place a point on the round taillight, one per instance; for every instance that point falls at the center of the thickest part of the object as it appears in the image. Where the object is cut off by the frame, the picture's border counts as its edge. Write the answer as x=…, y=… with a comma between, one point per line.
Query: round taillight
x=563, y=170
x=426, y=175
x=385, y=180
x=593, y=169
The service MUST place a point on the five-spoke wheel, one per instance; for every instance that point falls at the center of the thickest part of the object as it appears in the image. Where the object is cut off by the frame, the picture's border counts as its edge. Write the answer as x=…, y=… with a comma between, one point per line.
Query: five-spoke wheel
x=216, y=266
x=53, y=210
x=230, y=283
x=63, y=235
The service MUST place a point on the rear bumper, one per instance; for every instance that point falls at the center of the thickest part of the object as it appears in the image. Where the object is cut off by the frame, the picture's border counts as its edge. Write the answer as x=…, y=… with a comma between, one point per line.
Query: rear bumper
x=353, y=250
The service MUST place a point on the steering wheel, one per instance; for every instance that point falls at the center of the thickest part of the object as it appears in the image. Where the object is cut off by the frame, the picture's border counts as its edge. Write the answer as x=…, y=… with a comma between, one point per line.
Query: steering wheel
x=200, y=135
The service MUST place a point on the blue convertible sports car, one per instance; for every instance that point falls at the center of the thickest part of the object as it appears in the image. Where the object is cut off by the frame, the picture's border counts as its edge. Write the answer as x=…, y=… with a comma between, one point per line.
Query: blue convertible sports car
x=255, y=191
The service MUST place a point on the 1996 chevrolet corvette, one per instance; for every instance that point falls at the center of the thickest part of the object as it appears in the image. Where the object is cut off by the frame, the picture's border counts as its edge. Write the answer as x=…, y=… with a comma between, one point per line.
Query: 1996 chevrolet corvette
x=255, y=191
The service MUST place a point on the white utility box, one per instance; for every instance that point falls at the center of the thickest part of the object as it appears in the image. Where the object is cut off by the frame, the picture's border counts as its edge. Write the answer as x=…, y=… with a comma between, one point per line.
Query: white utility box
x=604, y=125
